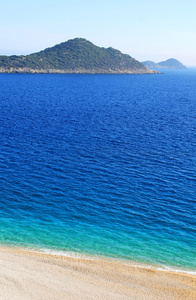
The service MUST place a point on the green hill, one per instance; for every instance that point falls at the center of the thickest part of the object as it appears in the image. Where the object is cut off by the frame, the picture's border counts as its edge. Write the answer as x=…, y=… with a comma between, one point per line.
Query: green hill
x=74, y=56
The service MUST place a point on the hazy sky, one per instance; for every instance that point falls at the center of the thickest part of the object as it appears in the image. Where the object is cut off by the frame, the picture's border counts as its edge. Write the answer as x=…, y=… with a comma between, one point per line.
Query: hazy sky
x=145, y=29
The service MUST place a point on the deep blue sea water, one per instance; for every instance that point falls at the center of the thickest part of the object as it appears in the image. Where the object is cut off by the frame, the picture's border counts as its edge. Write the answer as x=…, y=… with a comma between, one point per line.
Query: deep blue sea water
x=100, y=165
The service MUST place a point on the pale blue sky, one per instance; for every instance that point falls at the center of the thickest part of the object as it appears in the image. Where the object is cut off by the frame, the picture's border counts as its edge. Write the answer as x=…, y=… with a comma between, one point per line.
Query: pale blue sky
x=145, y=29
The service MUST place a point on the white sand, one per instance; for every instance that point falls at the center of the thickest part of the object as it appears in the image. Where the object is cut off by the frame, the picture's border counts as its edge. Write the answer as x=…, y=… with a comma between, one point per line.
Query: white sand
x=27, y=276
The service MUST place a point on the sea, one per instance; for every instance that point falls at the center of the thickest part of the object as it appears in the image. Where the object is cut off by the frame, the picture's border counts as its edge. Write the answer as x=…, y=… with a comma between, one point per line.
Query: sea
x=100, y=165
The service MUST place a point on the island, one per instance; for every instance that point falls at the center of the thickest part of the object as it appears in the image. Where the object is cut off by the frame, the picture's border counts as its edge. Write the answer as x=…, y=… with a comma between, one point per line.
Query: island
x=170, y=63
x=74, y=56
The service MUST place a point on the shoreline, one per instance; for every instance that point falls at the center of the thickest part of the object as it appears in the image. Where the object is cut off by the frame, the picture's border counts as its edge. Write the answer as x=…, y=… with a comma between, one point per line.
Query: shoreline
x=78, y=71
x=94, y=257
x=27, y=274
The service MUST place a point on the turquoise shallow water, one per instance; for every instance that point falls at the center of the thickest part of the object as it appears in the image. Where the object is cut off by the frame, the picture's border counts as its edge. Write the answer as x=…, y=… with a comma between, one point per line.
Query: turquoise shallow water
x=100, y=165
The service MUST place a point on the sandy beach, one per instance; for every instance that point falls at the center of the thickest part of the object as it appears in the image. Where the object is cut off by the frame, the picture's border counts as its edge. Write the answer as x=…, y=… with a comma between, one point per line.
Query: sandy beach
x=31, y=275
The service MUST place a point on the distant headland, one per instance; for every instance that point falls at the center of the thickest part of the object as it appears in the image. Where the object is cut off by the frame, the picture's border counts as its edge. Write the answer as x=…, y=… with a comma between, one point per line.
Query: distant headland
x=171, y=63
x=74, y=56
